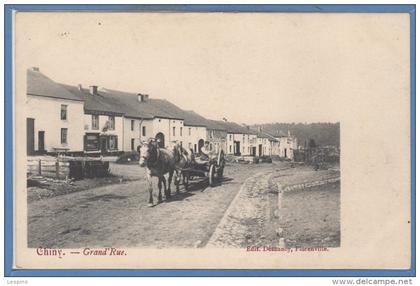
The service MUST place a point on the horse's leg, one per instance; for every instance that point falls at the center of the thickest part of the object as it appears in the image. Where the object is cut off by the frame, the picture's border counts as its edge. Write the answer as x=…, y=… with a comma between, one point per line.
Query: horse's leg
x=160, y=190
x=164, y=185
x=171, y=174
x=186, y=181
x=150, y=186
x=177, y=179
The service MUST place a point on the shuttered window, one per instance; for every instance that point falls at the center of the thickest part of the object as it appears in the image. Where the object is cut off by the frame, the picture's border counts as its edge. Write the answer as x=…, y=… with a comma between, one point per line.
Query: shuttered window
x=63, y=113
x=63, y=135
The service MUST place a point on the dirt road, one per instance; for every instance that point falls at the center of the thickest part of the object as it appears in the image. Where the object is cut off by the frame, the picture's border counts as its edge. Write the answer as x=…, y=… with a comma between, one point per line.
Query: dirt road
x=118, y=216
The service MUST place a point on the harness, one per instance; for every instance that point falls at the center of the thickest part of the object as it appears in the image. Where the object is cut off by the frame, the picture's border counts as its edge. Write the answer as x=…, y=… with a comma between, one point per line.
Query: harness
x=149, y=164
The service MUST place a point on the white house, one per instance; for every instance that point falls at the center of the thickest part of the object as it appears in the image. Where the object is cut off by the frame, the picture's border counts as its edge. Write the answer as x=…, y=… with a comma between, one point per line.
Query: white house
x=286, y=145
x=146, y=117
x=102, y=121
x=54, y=116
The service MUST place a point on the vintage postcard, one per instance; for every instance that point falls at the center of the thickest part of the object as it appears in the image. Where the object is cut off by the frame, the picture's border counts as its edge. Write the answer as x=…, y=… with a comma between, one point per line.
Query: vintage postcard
x=183, y=140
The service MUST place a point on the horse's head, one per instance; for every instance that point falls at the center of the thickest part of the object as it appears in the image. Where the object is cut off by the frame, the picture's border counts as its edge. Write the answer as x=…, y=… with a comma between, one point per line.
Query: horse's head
x=177, y=152
x=148, y=152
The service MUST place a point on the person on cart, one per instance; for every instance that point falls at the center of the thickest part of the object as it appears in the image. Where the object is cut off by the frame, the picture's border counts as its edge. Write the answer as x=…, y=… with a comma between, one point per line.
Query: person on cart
x=205, y=154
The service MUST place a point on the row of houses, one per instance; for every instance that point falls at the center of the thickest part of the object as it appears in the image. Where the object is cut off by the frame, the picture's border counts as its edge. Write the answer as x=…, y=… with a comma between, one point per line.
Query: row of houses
x=76, y=119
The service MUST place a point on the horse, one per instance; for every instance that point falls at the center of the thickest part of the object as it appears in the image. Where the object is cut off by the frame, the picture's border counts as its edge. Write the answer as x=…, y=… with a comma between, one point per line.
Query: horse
x=183, y=158
x=158, y=162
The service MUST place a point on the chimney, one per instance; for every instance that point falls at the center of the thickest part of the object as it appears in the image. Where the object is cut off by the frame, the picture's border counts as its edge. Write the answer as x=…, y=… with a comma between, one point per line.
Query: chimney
x=93, y=89
x=79, y=87
x=36, y=69
x=142, y=97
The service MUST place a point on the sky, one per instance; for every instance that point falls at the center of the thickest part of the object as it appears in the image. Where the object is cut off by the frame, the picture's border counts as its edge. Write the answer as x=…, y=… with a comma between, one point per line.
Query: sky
x=248, y=68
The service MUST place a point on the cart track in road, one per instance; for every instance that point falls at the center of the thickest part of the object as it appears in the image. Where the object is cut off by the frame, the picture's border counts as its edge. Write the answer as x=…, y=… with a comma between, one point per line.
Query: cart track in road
x=251, y=219
x=118, y=216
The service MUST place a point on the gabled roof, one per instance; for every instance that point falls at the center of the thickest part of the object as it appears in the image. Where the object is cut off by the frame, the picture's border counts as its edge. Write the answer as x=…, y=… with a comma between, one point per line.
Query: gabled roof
x=40, y=85
x=194, y=119
x=233, y=127
x=216, y=125
x=97, y=103
x=150, y=108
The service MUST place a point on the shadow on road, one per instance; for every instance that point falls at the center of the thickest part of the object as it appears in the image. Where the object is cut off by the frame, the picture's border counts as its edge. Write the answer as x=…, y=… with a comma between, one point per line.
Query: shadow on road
x=194, y=186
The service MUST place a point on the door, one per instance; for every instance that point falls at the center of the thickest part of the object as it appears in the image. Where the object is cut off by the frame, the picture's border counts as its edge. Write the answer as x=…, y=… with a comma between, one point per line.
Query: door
x=237, y=148
x=132, y=144
x=41, y=141
x=260, y=150
x=103, y=142
x=160, y=137
x=254, y=151
x=30, y=136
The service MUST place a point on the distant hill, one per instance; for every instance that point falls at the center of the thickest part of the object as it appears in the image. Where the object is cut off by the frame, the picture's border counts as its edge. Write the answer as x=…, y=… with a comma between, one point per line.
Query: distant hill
x=323, y=133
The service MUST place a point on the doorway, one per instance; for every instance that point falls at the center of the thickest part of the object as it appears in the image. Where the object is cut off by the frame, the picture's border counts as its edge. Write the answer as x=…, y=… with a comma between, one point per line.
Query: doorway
x=260, y=150
x=30, y=136
x=160, y=137
x=237, y=148
x=41, y=141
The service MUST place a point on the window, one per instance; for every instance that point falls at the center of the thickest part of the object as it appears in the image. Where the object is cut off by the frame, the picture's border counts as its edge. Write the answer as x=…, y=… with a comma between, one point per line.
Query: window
x=132, y=125
x=91, y=142
x=113, y=143
x=63, y=113
x=95, y=122
x=230, y=137
x=195, y=148
x=143, y=131
x=173, y=131
x=180, y=131
x=111, y=120
x=63, y=135
x=189, y=131
x=230, y=148
x=132, y=143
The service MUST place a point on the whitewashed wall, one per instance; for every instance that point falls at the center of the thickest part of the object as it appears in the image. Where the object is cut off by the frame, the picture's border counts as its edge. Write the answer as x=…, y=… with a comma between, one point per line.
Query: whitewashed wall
x=136, y=133
x=47, y=114
x=197, y=133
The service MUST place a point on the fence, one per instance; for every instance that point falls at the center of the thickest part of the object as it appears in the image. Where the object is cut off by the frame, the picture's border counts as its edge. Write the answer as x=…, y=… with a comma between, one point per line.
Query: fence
x=67, y=167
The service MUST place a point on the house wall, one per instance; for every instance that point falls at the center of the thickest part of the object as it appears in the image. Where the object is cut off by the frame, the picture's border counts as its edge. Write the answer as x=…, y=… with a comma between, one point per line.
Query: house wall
x=286, y=146
x=230, y=148
x=253, y=144
x=217, y=139
x=166, y=126
x=136, y=133
x=103, y=119
x=245, y=145
x=47, y=114
x=192, y=135
x=266, y=146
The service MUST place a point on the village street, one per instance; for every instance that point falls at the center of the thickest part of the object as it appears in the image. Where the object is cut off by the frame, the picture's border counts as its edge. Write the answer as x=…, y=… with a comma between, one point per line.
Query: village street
x=117, y=215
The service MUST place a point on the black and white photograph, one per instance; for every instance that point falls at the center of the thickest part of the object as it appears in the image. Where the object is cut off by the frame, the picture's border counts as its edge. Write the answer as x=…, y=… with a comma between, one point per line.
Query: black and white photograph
x=98, y=156
x=167, y=140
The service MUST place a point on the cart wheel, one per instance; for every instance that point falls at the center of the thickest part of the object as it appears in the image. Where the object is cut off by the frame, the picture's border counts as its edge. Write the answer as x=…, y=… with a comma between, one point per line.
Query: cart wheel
x=212, y=175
